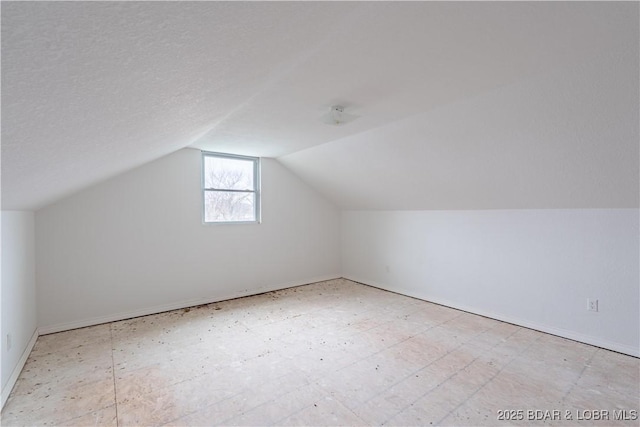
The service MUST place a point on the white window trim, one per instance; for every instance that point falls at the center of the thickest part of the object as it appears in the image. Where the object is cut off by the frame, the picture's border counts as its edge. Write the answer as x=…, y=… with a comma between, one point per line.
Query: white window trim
x=256, y=186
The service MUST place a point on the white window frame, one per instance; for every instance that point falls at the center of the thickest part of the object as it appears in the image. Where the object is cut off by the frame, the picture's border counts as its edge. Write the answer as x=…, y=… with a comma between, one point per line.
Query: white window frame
x=255, y=191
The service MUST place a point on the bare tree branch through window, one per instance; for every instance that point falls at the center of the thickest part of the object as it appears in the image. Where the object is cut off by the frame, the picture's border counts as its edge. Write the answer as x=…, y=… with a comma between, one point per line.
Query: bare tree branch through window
x=230, y=188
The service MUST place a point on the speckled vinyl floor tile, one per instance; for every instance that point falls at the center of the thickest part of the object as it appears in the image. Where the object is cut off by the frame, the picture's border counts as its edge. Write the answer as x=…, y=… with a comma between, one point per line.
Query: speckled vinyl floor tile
x=329, y=353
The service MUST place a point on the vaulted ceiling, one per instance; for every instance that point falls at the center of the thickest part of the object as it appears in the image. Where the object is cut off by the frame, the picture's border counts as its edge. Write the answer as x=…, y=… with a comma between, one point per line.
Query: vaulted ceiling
x=461, y=105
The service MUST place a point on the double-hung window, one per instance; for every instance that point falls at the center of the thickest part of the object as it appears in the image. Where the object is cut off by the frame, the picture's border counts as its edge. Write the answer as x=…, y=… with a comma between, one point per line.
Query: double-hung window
x=231, y=188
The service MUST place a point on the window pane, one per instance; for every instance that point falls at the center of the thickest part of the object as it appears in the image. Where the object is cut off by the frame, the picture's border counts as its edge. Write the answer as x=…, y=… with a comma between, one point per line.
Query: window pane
x=229, y=206
x=228, y=174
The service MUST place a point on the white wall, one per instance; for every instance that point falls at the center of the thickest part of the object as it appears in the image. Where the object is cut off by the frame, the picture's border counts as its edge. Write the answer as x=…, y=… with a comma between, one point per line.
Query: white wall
x=535, y=268
x=18, y=294
x=136, y=244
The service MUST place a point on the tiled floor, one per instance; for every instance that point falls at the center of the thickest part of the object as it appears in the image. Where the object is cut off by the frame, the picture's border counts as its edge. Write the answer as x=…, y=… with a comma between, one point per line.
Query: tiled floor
x=331, y=353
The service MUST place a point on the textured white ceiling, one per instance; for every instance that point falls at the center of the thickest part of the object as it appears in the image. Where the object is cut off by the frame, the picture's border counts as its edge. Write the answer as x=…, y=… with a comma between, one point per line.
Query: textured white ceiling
x=91, y=89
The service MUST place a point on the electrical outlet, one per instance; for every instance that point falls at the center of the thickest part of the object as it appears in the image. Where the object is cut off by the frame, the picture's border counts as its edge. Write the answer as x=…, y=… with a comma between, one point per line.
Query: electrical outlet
x=9, y=342
x=592, y=304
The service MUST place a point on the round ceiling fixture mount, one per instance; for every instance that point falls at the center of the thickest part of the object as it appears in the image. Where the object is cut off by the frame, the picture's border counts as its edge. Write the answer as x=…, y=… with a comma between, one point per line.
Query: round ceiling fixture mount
x=337, y=116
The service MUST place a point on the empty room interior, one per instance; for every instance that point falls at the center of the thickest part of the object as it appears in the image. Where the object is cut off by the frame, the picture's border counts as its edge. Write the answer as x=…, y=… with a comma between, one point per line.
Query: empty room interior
x=320, y=213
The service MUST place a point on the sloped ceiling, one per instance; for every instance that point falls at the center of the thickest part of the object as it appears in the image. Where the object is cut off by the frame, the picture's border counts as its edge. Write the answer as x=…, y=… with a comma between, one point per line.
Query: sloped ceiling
x=455, y=99
x=567, y=139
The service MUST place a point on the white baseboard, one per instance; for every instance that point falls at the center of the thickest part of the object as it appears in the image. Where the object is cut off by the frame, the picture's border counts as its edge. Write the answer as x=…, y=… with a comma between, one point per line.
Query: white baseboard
x=6, y=390
x=60, y=327
x=564, y=333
